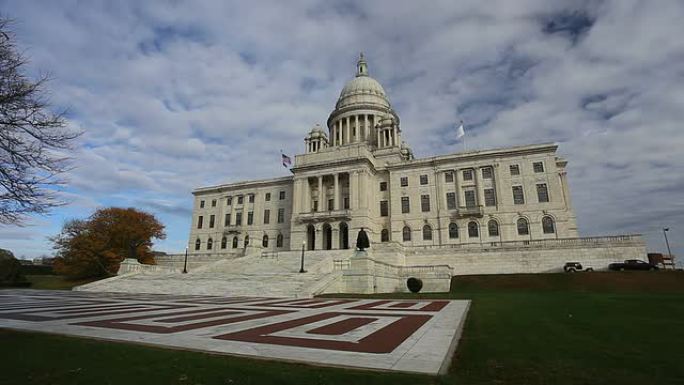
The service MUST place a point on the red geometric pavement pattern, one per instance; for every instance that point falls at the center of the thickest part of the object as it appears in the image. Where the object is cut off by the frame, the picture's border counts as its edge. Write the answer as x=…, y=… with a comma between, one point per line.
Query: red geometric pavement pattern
x=288, y=328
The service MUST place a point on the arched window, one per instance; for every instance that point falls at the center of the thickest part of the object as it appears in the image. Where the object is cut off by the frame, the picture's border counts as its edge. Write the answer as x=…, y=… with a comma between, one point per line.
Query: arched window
x=453, y=230
x=246, y=241
x=406, y=234
x=210, y=244
x=548, y=226
x=523, y=227
x=427, y=233
x=198, y=243
x=264, y=241
x=384, y=235
x=473, y=231
x=279, y=240
x=235, y=242
x=493, y=228
x=224, y=242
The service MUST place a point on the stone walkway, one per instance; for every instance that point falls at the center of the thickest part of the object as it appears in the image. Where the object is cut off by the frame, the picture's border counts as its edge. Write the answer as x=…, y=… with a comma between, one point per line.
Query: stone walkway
x=401, y=335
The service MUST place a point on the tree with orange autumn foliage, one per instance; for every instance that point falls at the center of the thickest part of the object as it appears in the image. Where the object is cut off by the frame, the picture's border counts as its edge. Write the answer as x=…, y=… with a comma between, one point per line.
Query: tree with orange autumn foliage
x=95, y=247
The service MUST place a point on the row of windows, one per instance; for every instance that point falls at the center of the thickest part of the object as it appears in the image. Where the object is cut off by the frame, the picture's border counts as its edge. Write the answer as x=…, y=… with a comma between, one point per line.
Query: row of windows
x=470, y=199
x=240, y=199
x=522, y=225
x=235, y=241
x=238, y=218
x=468, y=175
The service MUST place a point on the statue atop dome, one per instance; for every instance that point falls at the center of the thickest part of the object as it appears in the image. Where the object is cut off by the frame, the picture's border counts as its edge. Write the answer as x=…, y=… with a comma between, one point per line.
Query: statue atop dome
x=361, y=66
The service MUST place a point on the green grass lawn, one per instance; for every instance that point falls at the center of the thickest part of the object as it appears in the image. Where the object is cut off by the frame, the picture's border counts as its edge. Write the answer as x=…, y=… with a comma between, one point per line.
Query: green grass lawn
x=53, y=282
x=598, y=328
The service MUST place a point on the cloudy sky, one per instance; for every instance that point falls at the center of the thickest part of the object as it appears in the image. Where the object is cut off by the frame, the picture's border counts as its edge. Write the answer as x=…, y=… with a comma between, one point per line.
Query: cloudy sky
x=176, y=95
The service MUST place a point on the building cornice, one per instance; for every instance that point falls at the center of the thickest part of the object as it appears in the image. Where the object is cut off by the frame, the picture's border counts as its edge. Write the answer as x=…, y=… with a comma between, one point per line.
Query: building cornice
x=477, y=155
x=243, y=184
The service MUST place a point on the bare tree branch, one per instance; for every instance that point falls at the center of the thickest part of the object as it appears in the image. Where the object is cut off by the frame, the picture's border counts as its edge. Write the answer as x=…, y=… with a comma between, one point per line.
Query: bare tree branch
x=32, y=138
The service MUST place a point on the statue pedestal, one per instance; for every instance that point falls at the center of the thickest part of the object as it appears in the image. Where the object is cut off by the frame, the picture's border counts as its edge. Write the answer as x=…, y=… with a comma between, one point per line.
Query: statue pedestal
x=360, y=254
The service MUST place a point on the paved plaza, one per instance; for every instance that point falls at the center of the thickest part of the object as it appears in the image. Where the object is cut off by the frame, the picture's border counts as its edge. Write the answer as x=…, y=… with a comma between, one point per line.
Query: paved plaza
x=399, y=335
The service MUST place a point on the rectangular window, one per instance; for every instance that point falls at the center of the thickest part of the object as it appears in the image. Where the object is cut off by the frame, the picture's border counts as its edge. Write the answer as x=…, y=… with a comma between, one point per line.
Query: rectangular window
x=213, y=203
x=226, y=221
x=240, y=199
x=211, y=221
x=470, y=198
x=538, y=166
x=405, y=206
x=346, y=203
x=451, y=200
x=238, y=219
x=423, y=179
x=201, y=204
x=542, y=193
x=403, y=181
x=518, y=195
x=467, y=174
x=490, y=197
x=383, y=186
x=487, y=173
x=281, y=215
x=449, y=177
x=229, y=201
x=315, y=205
x=515, y=169
x=425, y=203
x=200, y=220
x=251, y=198
x=331, y=204
x=250, y=218
x=267, y=216
x=268, y=197
x=384, y=208
x=281, y=195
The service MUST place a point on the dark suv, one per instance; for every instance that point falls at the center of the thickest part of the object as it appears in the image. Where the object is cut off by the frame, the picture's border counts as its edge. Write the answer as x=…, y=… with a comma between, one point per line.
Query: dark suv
x=571, y=267
x=632, y=264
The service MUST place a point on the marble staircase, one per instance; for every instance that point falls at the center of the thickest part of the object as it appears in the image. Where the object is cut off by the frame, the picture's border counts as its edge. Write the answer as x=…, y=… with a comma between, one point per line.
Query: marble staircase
x=265, y=275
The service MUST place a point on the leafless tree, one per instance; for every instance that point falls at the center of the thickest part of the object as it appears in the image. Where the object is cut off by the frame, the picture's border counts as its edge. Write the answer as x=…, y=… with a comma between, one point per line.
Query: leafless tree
x=34, y=140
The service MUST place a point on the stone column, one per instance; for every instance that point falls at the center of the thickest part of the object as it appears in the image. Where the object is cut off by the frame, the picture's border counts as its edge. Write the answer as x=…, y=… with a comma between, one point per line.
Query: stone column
x=296, y=199
x=479, y=188
x=346, y=130
x=337, y=191
x=363, y=190
x=307, y=195
x=379, y=144
x=497, y=184
x=365, y=127
x=320, y=193
x=457, y=179
x=354, y=190
x=335, y=238
x=319, y=235
x=356, y=128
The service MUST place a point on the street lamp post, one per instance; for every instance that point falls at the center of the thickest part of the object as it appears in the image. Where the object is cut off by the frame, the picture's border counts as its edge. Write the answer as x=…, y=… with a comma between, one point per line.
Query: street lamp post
x=301, y=270
x=185, y=264
x=665, y=230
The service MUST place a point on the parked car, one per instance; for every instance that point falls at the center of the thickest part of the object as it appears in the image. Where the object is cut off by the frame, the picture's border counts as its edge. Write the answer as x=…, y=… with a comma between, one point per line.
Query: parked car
x=632, y=264
x=571, y=267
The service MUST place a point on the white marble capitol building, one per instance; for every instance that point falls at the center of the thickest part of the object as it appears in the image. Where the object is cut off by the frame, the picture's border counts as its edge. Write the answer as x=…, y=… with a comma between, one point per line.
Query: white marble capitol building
x=505, y=210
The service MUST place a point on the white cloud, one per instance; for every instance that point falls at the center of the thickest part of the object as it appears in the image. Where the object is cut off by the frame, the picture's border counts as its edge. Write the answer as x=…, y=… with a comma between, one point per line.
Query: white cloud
x=165, y=89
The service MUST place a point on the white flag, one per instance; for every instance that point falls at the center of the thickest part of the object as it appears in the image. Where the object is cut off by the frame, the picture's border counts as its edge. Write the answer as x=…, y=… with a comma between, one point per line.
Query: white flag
x=460, y=132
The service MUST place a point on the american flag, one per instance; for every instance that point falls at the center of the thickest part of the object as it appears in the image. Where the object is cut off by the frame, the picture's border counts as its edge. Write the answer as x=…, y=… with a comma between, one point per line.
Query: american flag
x=286, y=160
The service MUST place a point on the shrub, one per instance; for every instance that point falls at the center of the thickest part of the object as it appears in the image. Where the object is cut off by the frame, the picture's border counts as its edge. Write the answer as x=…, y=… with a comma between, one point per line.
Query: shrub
x=10, y=274
x=414, y=284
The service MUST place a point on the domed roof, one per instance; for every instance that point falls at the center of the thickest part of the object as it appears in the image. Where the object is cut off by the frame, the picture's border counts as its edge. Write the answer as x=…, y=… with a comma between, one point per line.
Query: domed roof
x=363, y=89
